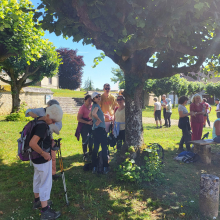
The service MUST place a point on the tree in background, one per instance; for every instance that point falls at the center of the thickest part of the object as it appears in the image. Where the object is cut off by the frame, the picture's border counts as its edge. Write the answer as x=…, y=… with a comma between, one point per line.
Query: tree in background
x=213, y=89
x=23, y=53
x=89, y=86
x=147, y=39
x=18, y=32
x=118, y=77
x=71, y=69
x=20, y=68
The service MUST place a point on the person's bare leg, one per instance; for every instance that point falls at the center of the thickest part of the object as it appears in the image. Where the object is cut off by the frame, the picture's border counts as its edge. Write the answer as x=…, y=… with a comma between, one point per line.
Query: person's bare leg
x=160, y=122
x=36, y=195
x=43, y=204
x=157, y=123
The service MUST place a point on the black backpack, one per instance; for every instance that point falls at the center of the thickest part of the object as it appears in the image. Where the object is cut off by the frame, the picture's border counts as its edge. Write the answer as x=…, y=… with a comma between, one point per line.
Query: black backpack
x=111, y=140
x=99, y=163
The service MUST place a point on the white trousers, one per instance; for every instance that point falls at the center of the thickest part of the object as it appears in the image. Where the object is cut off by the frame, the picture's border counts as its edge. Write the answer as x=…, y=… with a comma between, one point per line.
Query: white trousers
x=42, y=182
x=107, y=126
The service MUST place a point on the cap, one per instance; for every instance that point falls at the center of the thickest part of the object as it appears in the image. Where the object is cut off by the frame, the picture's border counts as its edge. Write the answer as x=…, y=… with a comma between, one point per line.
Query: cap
x=54, y=128
x=216, y=99
x=94, y=94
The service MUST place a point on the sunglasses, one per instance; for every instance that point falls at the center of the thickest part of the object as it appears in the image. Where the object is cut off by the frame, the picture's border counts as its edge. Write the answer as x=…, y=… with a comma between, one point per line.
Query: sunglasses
x=107, y=88
x=98, y=96
x=119, y=100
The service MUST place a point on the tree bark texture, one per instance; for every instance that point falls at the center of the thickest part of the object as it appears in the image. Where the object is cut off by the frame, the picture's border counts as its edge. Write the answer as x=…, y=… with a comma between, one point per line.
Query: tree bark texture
x=133, y=112
x=209, y=195
x=15, y=98
x=204, y=152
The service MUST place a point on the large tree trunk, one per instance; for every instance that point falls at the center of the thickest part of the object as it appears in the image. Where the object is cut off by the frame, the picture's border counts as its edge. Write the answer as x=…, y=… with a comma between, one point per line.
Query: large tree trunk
x=133, y=113
x=15, y=89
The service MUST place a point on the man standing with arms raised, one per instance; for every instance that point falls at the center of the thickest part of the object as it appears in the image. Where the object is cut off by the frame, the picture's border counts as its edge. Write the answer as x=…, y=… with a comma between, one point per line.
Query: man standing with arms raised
x=108, y=104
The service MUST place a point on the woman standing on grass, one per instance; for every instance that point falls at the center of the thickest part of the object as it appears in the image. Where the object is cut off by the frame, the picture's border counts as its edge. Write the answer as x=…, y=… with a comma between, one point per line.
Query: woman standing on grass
x=85, y=126
x=157, y=112
x=99, y=133
x=184, y=123
x=119, y=123
x=168, y=112
x=198, y=117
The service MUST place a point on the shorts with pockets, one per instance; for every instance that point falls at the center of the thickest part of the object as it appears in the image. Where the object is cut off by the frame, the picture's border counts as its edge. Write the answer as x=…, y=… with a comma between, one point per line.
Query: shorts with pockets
x=157, y=115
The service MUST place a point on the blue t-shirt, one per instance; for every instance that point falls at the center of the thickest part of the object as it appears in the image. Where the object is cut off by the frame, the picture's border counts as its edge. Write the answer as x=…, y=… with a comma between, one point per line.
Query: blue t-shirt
x=100, y=115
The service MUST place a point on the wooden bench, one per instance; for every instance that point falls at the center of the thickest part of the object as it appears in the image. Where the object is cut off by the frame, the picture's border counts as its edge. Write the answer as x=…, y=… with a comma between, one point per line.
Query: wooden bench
x=203, y=149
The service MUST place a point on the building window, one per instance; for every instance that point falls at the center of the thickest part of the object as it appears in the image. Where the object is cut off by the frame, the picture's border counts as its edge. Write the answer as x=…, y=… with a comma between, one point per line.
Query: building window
x=50, y=80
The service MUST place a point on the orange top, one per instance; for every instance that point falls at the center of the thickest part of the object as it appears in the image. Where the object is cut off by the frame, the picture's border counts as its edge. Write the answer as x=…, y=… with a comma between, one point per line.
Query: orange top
x=108, y=104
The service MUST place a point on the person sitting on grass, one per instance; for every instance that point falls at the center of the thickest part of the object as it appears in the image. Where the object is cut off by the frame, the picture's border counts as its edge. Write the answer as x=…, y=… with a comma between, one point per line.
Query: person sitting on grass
x=36, y=112
x=157, y=112
x=42, y=181
x=216, y=131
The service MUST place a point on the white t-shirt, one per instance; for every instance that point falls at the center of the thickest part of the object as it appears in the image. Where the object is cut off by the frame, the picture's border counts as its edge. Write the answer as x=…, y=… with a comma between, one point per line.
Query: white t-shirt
x=207, y=110
x=158, y=105
x=217, y=108
x=183, y=109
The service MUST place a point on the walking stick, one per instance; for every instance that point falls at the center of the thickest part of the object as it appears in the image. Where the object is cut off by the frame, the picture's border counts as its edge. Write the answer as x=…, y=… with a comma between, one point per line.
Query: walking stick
x=57, y=147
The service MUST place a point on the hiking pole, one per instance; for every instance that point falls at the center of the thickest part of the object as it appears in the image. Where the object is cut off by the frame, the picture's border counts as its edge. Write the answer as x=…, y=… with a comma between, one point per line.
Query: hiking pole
x=205, y=136
x=61, y=167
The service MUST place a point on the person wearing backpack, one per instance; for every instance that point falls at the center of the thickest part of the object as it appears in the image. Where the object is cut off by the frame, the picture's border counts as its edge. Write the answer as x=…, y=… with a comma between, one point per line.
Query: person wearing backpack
x=41, y=143
x=119, y=122
x=36, y=112
x=99, y=133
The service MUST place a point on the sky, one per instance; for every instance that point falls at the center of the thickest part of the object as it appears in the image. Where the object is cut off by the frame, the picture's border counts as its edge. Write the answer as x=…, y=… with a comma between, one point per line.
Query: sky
x=99, y=75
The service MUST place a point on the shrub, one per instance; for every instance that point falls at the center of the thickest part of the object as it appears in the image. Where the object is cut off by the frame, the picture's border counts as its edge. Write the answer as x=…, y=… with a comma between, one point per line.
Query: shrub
x=20, y=115
x=151, y=170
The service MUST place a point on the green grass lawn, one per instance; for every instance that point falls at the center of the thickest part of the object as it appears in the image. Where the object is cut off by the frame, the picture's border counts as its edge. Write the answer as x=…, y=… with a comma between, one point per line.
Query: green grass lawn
x=149, y=112
x=101, y=197
x=68, y=93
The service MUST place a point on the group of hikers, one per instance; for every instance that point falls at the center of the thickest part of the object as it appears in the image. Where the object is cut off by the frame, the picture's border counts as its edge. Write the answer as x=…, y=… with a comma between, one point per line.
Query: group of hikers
x=107, y=114
x=95, y=121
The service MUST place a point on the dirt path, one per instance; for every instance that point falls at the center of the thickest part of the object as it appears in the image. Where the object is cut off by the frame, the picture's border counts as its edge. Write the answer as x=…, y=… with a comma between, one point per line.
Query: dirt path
x=152, y=121
x=173, y=121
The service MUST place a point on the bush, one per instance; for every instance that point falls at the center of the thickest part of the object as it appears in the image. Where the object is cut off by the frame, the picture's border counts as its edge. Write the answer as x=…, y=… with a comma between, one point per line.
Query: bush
x=152, y=169
x=20, y=115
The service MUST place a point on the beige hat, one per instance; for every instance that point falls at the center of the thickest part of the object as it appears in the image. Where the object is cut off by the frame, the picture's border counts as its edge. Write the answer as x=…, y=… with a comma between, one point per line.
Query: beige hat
x=54, y=128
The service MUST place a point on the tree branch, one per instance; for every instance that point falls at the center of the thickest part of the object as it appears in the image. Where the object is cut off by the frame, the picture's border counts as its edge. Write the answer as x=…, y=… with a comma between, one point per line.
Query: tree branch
x=83, y=16
x=27, y=74
x=6, y=56
x=5, y=81
x=157, y=73
x=186, y=50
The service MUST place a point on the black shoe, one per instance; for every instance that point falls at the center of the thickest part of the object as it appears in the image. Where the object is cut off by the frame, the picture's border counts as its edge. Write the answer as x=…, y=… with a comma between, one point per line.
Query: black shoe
x=157, y=127
x=56, y=176
x=106, y=170
x=49, y=214
x=37, y=204
x=160, y=126
x=85, y=157
x=94, y=170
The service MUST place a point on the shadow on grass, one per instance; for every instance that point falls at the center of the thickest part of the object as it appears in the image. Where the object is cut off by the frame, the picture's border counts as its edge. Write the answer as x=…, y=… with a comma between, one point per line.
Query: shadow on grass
x=103, y=197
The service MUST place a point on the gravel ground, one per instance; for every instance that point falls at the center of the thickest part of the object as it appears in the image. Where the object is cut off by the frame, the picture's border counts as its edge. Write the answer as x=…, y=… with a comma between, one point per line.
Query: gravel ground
x=173, y=122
